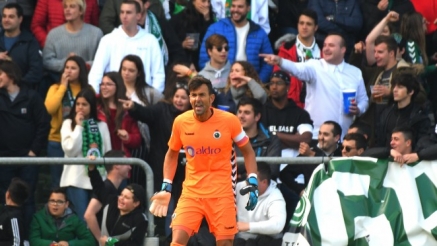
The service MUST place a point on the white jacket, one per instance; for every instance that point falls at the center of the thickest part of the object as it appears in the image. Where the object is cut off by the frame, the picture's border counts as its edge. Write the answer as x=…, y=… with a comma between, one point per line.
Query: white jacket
x=259, y=12
x=71, y=140
x=114, y=46
x=268, y=217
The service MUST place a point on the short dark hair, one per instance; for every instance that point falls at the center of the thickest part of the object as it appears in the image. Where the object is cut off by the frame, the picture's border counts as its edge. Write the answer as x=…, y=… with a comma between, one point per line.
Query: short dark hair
x=18, y=191
x=15, y=6
x=360, y=140
x=407, y=78
x=362, y=128
x=390, y=41
x=137, y=5
x=61, y=190
x=264, y=171
x=198, y=81
x=310, y=13
x=113, y=154
x=336, y=130
x=256, y=104
x=12, y=70
x=406, y=131
x=248, y=2
x=216, y=40
x=342, y=38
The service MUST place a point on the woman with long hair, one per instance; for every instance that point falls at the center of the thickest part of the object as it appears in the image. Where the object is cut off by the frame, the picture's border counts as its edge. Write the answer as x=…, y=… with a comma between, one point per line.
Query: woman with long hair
x=59, y=102
x=124, y=131
x=243, y=81
x=194, y=19
x=413, y=29
x=82, y=135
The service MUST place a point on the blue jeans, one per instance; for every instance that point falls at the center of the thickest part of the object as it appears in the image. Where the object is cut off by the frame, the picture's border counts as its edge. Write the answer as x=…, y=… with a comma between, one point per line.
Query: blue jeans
x=54, y=149
x=79, y=199
x=29, y=174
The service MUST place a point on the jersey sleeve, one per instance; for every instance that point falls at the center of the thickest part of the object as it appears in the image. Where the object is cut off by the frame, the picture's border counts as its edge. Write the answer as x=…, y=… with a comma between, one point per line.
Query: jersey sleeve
x=238, y=135
x=175, y=142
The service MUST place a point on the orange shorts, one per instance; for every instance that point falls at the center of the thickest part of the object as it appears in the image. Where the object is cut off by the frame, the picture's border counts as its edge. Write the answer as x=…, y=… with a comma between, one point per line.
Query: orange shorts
x=220, y=213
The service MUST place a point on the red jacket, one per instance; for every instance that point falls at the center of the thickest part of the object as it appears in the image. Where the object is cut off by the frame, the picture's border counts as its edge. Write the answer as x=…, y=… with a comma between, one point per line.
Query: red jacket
x=50, y=14
x=429, y=10
x=128, y=124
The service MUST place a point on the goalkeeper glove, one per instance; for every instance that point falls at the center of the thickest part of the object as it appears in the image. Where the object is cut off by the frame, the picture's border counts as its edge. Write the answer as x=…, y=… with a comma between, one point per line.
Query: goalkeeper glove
x=252, y=189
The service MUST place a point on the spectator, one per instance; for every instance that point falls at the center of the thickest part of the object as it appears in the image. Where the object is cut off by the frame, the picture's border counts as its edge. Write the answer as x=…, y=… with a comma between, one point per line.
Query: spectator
x=138, y=90
x=123, y=130
x=123, y=216
x=159, y=118
x=288, y=15
x=325, y=80
x=338, y=16
x=56, y=223
x=243, y=81
x=248, y=39
x=361, y=128
x=129, y=38
x=82, y=135
x=263, y=144
x=259, y=11
x=193, y=20
x=328, y=141
x=264, y=224
x=116, y=175
x=11, y=221
x=403, y=112
x=151, y=22
x=218, y=67
x=413, y=29
x=49, y=14
x=20, y=46
x=300, y=48
x=425, y=150
x=59, y=101
x=28, y=7
x=25, y=125
x=297, y=177
x=72, y=38
x=354, y=144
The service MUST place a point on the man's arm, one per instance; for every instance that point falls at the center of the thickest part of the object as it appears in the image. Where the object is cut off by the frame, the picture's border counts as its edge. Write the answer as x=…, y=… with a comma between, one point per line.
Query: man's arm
x=156, y=63
x=293, y=140
x=42, y=121
x=51, y=61
x=249, y=158
x=302, y=70
x=170, y=163
x=275, y=222
x=91, y=219
x=362, y=98
x=101, y=61
x=34, y=74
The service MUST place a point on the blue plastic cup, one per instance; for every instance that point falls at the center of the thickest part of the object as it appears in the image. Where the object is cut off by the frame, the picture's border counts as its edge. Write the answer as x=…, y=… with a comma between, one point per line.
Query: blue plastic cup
x=223, y=107
x=349, y=97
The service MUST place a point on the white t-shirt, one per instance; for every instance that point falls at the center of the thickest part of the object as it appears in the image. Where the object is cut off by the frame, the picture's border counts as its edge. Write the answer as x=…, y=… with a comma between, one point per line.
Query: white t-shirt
x=241, y=42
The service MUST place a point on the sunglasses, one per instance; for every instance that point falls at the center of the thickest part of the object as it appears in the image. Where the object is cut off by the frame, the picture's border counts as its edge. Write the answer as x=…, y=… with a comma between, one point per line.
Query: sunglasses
x=181, y=86
x=219, y=49
x=347, y=148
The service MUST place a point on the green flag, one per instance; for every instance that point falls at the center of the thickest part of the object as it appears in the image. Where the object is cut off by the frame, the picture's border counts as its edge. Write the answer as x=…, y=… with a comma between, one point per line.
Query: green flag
x=365, y=201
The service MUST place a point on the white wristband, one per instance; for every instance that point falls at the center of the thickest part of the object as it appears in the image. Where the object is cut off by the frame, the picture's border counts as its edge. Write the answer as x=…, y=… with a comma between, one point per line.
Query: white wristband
x=167, y=181
x=252, y=175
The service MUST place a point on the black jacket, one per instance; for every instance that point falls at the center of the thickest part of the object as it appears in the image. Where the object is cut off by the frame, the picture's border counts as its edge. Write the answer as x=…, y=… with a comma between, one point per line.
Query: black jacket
x=417, y=120
x=25, y=53
x=11, y=226
x=159, y=117
x=289, y=12
x=24, y=123
x=128, y=228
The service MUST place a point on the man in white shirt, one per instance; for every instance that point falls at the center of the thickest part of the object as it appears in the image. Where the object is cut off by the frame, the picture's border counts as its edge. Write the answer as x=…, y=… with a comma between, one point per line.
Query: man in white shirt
x=129, y=38
x=266, y=222
x=326, y=79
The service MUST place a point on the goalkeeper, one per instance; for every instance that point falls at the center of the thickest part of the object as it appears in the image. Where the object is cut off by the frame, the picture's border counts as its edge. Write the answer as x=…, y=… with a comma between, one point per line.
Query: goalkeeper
x=207, y=136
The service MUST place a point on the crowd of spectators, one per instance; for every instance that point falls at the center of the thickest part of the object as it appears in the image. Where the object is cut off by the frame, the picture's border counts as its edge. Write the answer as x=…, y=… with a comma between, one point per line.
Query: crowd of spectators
x=81, y=78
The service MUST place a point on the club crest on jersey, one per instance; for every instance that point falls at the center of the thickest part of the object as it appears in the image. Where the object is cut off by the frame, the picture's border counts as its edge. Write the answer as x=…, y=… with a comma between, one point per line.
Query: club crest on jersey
x=190, y=150
x=216, y=134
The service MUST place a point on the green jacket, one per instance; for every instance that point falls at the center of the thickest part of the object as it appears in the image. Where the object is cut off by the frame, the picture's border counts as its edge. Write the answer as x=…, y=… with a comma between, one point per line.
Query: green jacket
x=44, y=229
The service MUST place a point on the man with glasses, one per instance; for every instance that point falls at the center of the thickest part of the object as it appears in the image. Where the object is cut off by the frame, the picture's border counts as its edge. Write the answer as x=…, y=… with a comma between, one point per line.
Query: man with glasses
x=354, y=144
x=48, y=226
x=291, y=124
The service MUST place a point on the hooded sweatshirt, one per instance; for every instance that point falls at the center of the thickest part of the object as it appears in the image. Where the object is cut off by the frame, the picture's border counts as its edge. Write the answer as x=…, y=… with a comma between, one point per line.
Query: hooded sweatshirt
x=218, y=77
x=268, y=217
x=114, y=46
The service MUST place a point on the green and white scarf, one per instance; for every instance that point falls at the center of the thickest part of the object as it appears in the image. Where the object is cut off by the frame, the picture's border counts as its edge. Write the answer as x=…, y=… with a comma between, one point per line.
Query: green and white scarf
x=67, y=103
x=92, y=142
x=154, y=29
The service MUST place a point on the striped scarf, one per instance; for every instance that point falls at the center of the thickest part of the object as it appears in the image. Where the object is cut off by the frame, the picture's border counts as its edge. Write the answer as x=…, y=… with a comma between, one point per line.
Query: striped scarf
x=155, y=30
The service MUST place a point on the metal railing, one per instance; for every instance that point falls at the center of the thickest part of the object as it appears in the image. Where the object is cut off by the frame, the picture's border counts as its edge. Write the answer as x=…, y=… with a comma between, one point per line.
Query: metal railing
x=290, y=160
x=84, y=161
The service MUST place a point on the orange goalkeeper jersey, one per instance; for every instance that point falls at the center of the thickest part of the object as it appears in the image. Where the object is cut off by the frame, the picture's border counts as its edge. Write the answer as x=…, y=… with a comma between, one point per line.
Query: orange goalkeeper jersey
x=209, y=151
